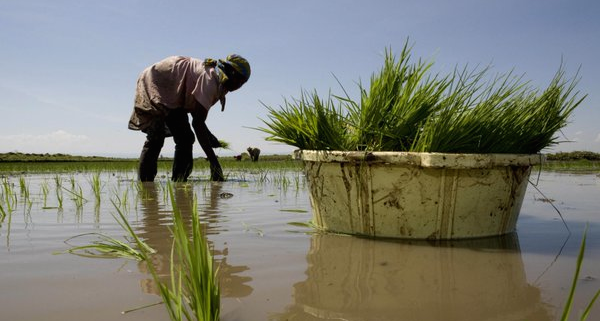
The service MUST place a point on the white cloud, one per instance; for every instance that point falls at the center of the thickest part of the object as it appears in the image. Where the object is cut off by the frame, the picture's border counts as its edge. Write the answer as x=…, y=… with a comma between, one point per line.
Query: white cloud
x=58, y=141
x=597, y=140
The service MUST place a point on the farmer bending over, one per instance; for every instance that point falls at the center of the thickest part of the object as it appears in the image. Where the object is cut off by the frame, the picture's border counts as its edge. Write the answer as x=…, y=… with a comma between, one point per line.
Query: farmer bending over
x=170, y=89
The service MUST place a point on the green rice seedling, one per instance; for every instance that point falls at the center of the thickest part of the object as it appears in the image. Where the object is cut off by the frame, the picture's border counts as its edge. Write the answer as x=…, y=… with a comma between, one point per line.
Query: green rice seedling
x=59, y=197
x=58, y=181
x=45, y=189
x=200, y=282
x=97, y=213
x=10, y=202
x=387, y=116
x=73, y=182
x=133, y=184
x=96, y=184
x=294, y=210
x=308, y=123
x=299, y=181
x=77, y=194
x=142, y=192
x=3, y=192
x=505, y=115
x=263, y=176
x=165, y=193
x=405, y=108
x=8, y=226
x=10, y=197
x=224, y=144
x=104, y=246
x=125, y=198
x=145, y=249
x=193, y=292
x=2, y=214
x=400, y=98
x=27, y=205
x=79, y=199
x=24, y=187
x=22, y=183
x=281, y=180
x=122, y=197
x=569, y=303
x=312, y=228
x=59, y=187
x=468, y=110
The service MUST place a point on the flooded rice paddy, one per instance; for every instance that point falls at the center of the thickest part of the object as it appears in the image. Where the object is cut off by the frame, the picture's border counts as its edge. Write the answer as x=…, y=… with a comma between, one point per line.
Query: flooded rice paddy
x=273, y=267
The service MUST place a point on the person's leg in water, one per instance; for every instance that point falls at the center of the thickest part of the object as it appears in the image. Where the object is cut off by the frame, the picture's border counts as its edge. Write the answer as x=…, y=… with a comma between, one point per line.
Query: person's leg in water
x=155, y=139
x=178, y=123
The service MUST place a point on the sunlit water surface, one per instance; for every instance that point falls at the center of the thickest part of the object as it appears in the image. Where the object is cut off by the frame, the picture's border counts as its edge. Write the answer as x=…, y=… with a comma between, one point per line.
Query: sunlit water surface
x=273, y=270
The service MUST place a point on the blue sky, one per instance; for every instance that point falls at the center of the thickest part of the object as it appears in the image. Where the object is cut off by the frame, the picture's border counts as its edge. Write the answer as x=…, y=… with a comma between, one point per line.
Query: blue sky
x=68, y=67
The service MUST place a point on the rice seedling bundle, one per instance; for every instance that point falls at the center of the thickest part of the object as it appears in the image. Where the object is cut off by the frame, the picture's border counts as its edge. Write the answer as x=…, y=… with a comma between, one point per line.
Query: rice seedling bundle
x=406, y=108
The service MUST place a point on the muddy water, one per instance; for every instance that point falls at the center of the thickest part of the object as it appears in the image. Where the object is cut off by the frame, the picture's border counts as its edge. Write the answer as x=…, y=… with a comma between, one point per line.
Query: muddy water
x=273, y=270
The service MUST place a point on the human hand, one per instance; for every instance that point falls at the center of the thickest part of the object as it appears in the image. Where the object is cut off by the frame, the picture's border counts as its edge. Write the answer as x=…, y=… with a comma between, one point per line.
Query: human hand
x=216, y=173
x=214, y=141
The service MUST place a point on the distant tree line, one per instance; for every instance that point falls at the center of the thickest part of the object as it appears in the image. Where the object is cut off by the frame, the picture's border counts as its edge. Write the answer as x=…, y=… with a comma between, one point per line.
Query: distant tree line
x=576, y=155
x=33, y=157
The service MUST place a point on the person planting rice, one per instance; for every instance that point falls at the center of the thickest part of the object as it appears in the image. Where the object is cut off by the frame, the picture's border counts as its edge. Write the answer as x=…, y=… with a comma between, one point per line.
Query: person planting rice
x=170, y=89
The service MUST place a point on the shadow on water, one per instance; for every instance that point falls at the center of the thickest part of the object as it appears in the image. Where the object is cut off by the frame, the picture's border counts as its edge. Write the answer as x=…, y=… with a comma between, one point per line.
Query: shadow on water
x=350, y=278
x=155, y=231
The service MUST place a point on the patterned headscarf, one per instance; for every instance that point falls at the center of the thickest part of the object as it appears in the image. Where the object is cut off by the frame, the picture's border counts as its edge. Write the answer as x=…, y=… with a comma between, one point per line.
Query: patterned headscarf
x=239, y=63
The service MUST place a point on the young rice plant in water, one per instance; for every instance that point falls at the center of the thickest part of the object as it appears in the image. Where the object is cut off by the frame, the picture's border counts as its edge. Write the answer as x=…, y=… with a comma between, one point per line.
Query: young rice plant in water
x=405, y=108
x=193, y=292
x=569, y=304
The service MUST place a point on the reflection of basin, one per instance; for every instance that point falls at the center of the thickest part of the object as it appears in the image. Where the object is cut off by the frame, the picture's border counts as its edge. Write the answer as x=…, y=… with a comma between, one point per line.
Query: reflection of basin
x=154, y=230
x=350, y=278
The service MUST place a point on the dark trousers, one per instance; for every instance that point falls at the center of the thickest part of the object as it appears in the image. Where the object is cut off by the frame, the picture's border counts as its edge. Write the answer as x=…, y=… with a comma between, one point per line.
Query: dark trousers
x=176, y=124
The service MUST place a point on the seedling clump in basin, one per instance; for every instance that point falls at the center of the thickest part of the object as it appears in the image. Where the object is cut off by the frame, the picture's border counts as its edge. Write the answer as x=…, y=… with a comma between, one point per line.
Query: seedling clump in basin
x=406, y=108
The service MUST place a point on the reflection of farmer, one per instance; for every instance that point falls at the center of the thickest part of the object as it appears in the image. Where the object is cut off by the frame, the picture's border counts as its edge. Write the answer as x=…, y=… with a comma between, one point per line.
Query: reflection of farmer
x=170, y=89
x=158, y=235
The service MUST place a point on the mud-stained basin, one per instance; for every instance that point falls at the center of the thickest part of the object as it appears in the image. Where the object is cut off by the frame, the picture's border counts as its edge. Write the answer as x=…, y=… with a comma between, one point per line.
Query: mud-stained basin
x=417, y=195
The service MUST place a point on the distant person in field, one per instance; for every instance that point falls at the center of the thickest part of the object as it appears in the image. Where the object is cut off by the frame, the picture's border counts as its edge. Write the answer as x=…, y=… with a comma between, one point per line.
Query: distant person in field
x=254, y=153
x=166, y=93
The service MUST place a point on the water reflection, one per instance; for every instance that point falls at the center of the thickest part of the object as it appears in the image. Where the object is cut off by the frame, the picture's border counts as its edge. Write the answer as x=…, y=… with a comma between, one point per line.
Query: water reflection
x=350, y=278
x=154, y=230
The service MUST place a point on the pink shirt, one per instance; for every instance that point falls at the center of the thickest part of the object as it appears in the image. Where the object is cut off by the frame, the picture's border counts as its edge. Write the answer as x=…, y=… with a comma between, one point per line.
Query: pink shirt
x=175, y=82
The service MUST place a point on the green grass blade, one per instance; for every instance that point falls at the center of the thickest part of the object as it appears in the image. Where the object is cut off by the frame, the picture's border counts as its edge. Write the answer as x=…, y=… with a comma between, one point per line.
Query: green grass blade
x=569, y=303
x=587, y=310
x=105, y=247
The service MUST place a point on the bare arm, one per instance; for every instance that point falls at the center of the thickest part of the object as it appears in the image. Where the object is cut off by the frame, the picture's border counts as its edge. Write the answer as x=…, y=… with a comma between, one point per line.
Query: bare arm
x=203, y=135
